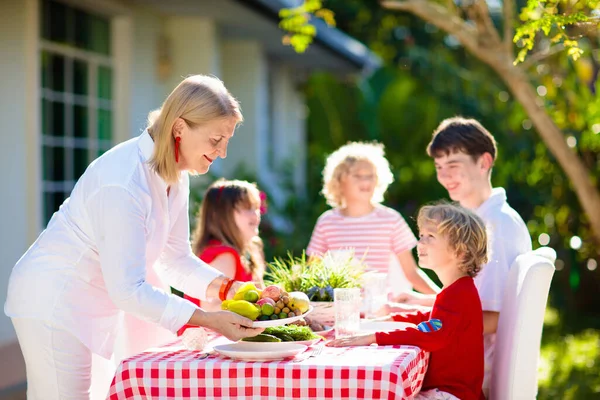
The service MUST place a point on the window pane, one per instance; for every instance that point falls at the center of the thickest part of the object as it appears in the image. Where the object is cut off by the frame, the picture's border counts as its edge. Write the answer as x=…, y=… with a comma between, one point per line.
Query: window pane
x=100, y=35
x=80, y=121
x=54, y=21
x=58, y=118
x=53, y=72
x=81, y=27
x=81, y=161
x=52, y=202
x=104, y=124
x=54, y=163
x=46, y=117
x=104, y=83
x=80, y=77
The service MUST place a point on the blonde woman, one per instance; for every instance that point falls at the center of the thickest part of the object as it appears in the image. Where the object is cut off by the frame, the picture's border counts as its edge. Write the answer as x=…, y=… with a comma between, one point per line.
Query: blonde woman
x=127, y=213
x=355, y=179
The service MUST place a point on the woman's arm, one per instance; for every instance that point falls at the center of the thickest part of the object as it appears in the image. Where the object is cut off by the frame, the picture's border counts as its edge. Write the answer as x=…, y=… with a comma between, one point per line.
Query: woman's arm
x=226, y=264
x=415, y=275
x=118, y=223
x=181, y=269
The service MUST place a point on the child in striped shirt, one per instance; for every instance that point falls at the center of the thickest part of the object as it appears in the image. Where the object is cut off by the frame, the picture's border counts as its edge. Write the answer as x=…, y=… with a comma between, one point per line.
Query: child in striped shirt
x=355, y=179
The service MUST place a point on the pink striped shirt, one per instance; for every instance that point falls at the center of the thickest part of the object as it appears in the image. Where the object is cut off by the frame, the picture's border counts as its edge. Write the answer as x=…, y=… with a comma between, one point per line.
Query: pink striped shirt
x=375, y=236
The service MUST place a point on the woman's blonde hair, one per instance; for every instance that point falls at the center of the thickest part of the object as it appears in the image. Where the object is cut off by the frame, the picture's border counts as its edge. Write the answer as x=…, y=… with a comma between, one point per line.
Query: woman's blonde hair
x=341, y=161
x=216, y=221
x=198, y=99
x=464, y=231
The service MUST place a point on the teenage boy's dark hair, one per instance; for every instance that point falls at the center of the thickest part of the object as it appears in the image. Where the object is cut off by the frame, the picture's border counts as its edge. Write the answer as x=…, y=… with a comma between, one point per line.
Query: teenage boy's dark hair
x=464, y=135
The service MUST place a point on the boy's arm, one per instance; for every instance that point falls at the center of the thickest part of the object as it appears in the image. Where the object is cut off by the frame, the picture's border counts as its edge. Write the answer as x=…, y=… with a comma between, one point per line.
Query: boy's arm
x=415, y=317
x=490, y=322
x=415, y=275
x=431, y=335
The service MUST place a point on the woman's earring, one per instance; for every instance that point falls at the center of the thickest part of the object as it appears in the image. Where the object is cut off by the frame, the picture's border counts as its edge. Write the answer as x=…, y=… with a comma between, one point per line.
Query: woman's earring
x=177, y=142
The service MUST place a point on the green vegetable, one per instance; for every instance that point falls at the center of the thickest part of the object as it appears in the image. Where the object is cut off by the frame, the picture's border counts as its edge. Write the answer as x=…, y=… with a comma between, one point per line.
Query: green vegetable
x=294, y=332
x=262, y=337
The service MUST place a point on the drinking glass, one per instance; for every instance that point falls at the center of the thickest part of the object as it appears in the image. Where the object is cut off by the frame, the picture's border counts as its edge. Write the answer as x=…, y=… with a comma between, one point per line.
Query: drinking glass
x=375, y=292
x=346, y=303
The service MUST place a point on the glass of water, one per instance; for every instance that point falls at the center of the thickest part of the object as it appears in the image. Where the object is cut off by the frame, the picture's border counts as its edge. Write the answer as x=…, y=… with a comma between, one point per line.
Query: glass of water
x=374, y=292
x=347, y=305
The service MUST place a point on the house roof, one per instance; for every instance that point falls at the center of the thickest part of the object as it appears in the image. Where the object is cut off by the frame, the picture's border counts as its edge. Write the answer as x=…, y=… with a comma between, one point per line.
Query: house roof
x=329, y=37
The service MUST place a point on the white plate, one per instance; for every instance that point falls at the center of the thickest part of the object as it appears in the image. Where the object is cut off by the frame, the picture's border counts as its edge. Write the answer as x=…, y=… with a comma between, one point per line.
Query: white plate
x=279, y=322
x=248, y=351
x=277, y=345
x=383, y=326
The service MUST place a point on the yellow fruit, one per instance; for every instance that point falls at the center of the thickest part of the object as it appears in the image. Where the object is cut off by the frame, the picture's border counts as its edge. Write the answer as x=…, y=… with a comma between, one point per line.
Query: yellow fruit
x=300, y=301
x=225, y=304
x=246, y=287
x=244, y=308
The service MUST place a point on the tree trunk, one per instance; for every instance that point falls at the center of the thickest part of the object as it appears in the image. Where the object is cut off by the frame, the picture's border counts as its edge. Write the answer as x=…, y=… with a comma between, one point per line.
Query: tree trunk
x=571, y=163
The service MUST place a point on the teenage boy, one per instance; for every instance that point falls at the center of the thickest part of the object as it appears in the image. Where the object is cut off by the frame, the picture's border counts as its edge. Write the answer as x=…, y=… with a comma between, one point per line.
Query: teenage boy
x=464, y=153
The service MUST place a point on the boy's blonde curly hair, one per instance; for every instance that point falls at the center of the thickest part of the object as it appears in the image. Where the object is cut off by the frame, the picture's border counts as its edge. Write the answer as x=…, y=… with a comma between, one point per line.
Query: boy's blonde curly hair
x=340, y=162
x=463, y=229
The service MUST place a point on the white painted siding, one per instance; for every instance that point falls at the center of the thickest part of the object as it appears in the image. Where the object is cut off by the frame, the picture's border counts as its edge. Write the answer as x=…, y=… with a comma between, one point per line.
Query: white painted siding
x=20, y=206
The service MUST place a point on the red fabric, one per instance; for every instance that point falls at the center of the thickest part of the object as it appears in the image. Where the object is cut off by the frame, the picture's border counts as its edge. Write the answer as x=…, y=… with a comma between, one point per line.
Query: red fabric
x=456, y=363
x=212, y=251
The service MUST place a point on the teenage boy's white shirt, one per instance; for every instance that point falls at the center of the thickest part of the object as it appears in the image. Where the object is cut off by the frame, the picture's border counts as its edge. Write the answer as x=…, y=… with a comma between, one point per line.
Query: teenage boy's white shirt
x=509, y=238
x=91, y=261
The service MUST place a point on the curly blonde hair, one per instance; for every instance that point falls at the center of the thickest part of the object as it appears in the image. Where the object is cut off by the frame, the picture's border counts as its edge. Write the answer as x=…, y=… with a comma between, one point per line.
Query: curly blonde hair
x=340, y=162
x=464, y=230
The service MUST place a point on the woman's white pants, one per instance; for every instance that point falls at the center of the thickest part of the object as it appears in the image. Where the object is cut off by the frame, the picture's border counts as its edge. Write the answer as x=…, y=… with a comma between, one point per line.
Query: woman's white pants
x=58, y=365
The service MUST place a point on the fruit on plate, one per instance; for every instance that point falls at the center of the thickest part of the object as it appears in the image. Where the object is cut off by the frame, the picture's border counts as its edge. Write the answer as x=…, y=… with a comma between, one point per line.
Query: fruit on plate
x=246, y=287
x=299, y=300
x=242, y=307
x=268, y=304
x=272, y=292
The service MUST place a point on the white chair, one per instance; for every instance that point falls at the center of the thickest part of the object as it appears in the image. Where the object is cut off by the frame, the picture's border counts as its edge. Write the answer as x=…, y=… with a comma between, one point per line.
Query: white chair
x=518, y=339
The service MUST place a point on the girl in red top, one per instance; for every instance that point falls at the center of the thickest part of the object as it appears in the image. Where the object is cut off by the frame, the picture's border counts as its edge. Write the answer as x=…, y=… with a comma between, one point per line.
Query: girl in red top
x=226, y=235
x=453, y=243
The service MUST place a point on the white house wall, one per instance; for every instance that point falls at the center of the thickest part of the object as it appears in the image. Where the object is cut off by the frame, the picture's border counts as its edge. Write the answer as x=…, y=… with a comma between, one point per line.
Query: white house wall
x=244, y=73
x=20, y=209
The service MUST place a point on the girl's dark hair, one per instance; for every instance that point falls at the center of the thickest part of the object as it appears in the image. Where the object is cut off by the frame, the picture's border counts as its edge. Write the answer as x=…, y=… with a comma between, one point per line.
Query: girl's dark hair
x=216, y=221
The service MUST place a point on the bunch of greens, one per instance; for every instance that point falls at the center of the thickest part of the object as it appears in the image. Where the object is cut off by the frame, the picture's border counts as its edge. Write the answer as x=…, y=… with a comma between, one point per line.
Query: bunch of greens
x=291, y=333
x=315, y=276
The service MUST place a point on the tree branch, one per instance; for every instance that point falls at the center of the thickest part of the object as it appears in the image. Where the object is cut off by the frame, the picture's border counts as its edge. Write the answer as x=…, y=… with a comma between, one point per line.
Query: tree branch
x=445, y=20
x=488, y=33
x=533, y=59
x=438, y=16
x=508, y=9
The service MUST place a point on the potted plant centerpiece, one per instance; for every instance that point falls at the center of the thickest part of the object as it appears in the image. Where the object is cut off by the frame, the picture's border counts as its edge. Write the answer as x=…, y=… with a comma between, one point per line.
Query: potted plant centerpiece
x=317, y=277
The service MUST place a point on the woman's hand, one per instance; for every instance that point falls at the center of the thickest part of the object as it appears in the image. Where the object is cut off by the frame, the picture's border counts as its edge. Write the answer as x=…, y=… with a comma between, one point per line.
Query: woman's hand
x=232, y=326
x=360, y=340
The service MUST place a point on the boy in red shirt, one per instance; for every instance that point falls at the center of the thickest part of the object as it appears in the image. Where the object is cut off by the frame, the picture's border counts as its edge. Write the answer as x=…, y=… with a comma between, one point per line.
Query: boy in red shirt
x=453, y=243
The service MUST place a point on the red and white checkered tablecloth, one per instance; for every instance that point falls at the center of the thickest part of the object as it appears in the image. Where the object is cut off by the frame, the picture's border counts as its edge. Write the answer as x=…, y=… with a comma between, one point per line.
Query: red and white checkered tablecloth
x=172, y=372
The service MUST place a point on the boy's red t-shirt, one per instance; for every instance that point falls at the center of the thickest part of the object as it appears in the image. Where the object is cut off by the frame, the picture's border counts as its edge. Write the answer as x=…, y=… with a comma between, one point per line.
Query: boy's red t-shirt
x=455, y=342
x=212, y=251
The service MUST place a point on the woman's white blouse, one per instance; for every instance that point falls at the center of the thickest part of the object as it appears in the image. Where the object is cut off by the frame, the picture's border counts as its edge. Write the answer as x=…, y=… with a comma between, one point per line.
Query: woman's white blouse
x=90, y=263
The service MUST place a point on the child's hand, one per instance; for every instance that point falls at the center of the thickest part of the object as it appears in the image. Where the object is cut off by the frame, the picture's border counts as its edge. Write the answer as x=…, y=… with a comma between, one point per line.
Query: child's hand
x=361, y=340
x=406, y=298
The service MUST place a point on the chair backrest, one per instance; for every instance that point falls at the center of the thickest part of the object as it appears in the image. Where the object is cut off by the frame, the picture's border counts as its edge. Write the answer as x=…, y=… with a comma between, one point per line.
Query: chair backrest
x=518, y=339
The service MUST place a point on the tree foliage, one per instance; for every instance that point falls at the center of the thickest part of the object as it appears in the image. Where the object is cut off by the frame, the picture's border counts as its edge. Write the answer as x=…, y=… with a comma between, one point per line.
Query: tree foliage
x=562, y=21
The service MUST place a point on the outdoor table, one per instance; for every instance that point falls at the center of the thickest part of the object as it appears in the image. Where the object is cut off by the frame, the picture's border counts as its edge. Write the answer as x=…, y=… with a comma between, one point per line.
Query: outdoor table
x=365, y=372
